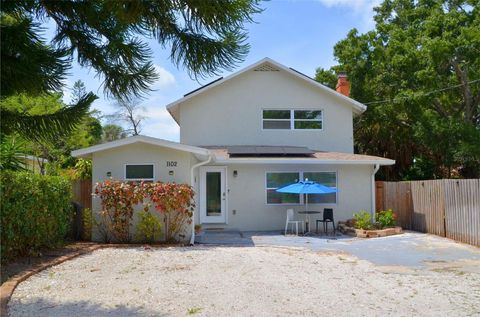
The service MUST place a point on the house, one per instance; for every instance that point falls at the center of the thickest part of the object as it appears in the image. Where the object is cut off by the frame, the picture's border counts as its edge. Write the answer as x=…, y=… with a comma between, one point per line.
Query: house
x=245, y=135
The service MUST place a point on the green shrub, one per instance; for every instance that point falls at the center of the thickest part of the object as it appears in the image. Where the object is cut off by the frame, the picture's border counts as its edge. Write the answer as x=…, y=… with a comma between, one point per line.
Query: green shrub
x=148, y=228
x=87, y=222
x=385, y=218
x=36, y=212
x=363, y=220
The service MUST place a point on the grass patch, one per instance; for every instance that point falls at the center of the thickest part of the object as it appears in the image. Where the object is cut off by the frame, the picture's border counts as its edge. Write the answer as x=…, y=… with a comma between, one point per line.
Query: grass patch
x=193, y=310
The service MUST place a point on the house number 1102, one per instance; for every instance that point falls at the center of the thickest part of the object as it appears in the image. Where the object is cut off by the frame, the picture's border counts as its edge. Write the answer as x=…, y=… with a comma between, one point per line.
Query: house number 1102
x=171, y=163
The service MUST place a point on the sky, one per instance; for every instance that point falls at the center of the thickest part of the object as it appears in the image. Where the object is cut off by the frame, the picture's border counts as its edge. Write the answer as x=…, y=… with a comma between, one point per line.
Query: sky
x=297, y=34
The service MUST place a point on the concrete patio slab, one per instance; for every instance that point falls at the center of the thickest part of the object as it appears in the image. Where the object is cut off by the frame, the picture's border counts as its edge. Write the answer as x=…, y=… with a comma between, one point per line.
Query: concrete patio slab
x=411, y=249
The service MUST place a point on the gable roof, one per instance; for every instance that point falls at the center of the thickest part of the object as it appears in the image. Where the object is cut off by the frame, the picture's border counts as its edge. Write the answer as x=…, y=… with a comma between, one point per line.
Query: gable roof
x=357, y=107
x=86, y=152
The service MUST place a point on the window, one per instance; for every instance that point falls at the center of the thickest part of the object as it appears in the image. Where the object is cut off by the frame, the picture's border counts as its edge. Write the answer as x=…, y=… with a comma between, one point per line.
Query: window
x=292, y=119
x=139, y=172
x=325, y=178
x=307, y=119
x=275, y=180
x=276, y=119
x=279, y=179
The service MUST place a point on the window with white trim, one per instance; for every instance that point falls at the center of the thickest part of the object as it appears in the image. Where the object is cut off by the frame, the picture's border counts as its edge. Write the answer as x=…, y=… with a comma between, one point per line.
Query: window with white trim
x=292, y=119
x=325, y=178
x=275, y=180
x=138, y=172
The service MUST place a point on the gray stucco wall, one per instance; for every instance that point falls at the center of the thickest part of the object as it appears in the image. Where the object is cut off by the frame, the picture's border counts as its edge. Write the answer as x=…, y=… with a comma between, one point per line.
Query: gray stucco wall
x=231, y=114
x=114, y=161
x=247, y=208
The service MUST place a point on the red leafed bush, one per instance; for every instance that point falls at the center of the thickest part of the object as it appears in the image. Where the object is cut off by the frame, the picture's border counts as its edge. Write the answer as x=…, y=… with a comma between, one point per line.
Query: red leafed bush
x=118, y=202
x=175, y=201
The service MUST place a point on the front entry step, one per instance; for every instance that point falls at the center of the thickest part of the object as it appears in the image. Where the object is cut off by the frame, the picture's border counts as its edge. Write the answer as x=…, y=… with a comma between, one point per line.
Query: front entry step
x=221, y=236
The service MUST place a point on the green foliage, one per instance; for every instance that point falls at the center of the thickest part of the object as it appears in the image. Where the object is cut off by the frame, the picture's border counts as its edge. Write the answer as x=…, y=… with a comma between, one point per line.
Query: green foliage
x=11, y=154
x=87, y=222
x=204, y=36
x=56, y=149
x=385, y=218
x=36, y=212
x=326, y=77
x=45, y=127
x=28, y=64
x=112, y=132
x=83, y=169
x=417, y=71
x=363, y=220
x=149, y=228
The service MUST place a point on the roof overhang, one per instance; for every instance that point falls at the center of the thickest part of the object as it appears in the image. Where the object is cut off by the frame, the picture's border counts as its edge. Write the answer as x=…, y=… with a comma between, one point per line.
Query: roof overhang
x=300, y=161
x=87, y=152
x=357, y=107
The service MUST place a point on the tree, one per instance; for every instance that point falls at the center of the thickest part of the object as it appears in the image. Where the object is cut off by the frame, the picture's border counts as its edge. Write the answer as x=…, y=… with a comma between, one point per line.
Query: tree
x=204, y=36
x=30, y=66
x=418, y=73
x=112, y=132
x=57, y=148
x=131, y=112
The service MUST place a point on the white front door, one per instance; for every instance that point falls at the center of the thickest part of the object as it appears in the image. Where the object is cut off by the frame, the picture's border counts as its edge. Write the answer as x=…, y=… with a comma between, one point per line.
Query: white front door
x=213, y=194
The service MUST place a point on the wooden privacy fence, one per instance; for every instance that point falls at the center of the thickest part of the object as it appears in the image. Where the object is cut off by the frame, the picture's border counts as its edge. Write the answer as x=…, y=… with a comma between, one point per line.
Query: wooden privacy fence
x=82, y=192
x=448, y=207
x=82, y=196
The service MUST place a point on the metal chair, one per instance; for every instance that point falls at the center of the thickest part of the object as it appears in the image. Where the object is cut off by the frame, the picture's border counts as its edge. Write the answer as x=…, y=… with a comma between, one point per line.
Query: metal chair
x=293, y=222
x=327, y=218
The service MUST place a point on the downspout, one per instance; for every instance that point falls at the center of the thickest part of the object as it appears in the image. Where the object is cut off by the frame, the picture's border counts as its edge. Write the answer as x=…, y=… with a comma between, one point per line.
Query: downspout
x=192, y=183
x=375, y=170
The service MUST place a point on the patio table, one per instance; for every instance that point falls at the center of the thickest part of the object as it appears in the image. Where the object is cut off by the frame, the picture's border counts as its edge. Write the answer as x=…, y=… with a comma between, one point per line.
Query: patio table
x=307, y=218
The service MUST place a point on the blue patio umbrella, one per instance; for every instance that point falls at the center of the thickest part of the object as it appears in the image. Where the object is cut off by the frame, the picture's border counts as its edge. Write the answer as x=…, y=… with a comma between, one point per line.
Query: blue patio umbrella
x=306, y=187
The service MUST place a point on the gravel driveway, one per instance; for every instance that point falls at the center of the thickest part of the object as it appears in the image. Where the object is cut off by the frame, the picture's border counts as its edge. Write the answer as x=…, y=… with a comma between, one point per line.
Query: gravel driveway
x=242, y=281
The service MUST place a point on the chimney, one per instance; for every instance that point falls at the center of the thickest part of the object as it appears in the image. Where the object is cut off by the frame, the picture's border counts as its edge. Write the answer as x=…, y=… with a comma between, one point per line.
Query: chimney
x=343, y=86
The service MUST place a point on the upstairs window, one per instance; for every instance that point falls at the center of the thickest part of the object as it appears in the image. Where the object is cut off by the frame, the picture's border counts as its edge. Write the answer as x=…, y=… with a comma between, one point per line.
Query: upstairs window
x=292, y=120
x=307, y=119
x=277, y=119
x=139, y=172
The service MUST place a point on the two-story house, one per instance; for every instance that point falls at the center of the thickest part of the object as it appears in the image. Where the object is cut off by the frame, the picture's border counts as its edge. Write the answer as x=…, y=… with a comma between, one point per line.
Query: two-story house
x=244, y=136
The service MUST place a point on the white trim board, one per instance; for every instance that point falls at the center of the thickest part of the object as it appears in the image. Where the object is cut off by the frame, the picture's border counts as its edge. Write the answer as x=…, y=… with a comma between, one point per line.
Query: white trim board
x=302, y=161
x=140, y=139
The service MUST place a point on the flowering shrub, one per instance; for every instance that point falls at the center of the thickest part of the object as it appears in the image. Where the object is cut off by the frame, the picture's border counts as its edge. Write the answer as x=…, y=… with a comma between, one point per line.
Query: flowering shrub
x=363, y=220
x=175, y=201
x=118, y=202
x=386, y=218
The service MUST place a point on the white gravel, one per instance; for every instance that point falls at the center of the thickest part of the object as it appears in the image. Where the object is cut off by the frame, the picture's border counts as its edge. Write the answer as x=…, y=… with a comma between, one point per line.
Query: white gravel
x=241, y=281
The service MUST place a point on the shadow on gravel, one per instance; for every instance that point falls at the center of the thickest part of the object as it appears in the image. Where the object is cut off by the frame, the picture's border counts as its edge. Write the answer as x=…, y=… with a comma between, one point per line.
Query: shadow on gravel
x=46, y=308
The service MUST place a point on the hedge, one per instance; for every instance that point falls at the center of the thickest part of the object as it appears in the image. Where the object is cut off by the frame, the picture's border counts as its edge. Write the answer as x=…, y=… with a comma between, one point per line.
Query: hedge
x=36, y=213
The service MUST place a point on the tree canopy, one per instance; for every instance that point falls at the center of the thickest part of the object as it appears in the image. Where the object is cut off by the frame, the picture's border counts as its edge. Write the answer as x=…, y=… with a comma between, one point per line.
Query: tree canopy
x=108, y=36
x=418, y=72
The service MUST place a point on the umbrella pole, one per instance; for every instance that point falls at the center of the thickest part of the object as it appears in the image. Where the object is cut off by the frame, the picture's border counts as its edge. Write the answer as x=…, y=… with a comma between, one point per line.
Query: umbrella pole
x=307, y=218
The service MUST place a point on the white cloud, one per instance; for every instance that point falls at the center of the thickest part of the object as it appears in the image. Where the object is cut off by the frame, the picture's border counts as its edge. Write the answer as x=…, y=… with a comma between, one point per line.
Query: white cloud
x=159, y=123
x=362, y=8
x=165, y=80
